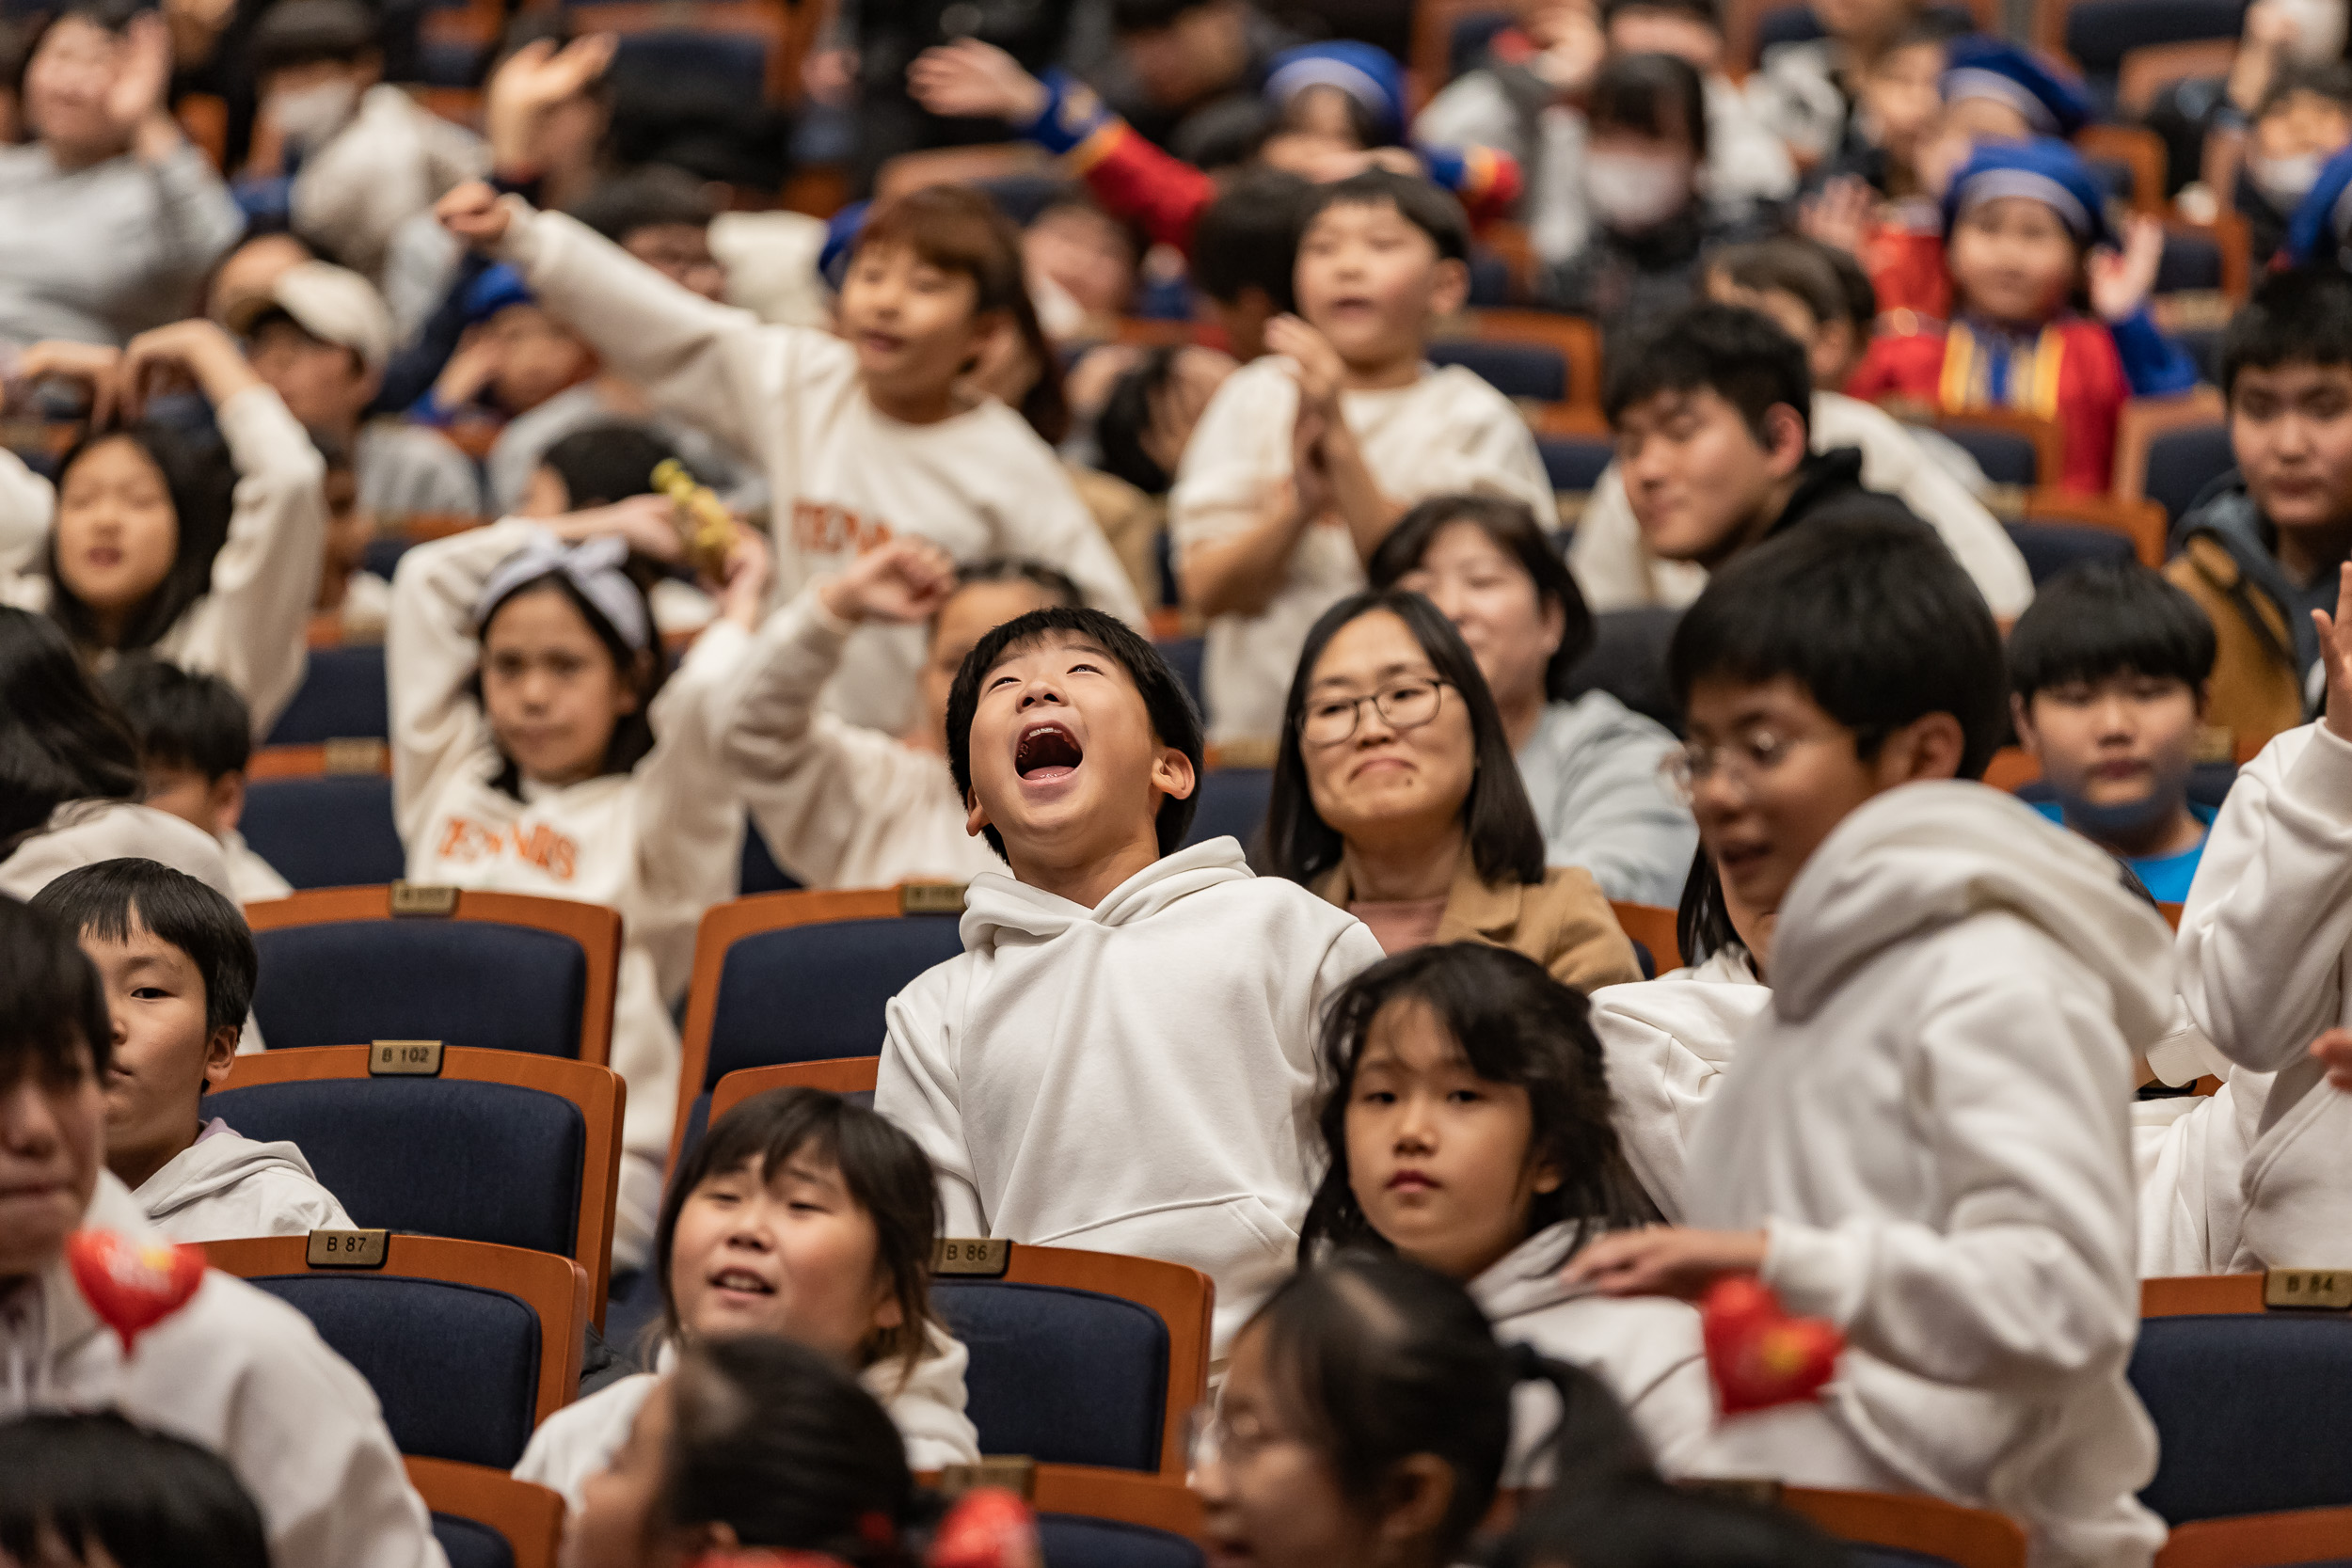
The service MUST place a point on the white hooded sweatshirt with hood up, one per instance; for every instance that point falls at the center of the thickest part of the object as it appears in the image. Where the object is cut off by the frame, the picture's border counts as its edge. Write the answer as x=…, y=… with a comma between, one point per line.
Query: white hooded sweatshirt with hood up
x=1930, y=1123
x=224, y=1187
x=1665, y=1044
x=1131, y=1078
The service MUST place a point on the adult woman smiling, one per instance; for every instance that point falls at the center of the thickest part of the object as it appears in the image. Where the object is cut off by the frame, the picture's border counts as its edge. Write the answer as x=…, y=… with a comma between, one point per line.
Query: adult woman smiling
x=1395, y=796
x=1590, y=764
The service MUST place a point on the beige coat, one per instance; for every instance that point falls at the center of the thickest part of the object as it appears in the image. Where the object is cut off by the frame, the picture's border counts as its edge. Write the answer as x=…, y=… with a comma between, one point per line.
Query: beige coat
x=1562, y=922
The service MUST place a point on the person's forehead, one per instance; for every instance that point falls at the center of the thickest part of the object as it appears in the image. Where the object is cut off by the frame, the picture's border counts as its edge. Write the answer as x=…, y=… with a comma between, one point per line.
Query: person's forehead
x=1046, y=647
x=1360, y=215
x=2297, y=376
x=1671, y=403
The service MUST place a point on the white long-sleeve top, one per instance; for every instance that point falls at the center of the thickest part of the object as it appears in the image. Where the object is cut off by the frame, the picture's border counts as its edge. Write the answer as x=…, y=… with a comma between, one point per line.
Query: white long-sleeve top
x=1665, y=1044
x=1590, y=769
x=394, y=159
x=240, y=1372
x=659, y=842
x=84, y=832
x=840, y=805
x=1929, y=1123
x=1131, y=1078
x=1448, y=432
x=27, y=502
x=842, y=475
x=251, y=626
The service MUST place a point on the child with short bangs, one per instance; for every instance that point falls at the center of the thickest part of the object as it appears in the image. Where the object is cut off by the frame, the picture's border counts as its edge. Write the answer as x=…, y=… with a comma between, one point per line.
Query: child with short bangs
x=864, y=434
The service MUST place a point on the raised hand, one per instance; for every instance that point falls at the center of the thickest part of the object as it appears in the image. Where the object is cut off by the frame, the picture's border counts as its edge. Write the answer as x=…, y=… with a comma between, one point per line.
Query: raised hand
x=647, y=522
x=97, y=366
x=196, y=349
x=1318, y=368
x=743, y=590
x=2335, y=655
x=474, y=213
x=975, y=80
x=470, y=370
x=1840, y=216
x=2334, y=1047
x=2121, y=281
x=531, y=85
x=1663, y=1260
x=903, y=580
x=136, y=101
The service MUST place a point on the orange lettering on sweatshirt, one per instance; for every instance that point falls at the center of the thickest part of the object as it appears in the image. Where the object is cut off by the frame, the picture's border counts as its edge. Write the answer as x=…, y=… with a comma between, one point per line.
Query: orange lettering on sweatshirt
x=821, y=530
x=467, y=841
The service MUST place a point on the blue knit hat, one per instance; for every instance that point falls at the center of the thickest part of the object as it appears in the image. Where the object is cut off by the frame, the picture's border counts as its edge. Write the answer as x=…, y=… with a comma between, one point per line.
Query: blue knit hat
x=493, y=291
x=1368, y=74
x=2316, y=232
x=2041, y=170
x=2053, y=101
x=841, y=235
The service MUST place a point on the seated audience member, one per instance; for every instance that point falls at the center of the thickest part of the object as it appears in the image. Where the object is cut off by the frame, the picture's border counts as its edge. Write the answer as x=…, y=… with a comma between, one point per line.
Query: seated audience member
x=95, y=1491
x=842, y=805
x=320, y=337
x=1897, y=111
x=662, y=216
x=805, y=1216
x=513, y=357
x=1153, y=407
x=1591, y=766
x=1796, y=282
x=109, y=217
x=1181, y=65
x=2108, y=675
x=1806, y=91
x=70, y=778
x=1244, y=263
x=1747, y=164
x=873, y=432
x=233, y=1369
x=2302, y=121
x=165, y=544
x=2259, y=549
x=1158, y=987
x=1302, y=463
x=1958, y=989
x=178, y=968
x=248, y=272
x=1465, y=1125
x=352, y=600
x=1084, y=266
x=2024, y=237
x=193, y=743
x=1397, y=798
x=1994, y=91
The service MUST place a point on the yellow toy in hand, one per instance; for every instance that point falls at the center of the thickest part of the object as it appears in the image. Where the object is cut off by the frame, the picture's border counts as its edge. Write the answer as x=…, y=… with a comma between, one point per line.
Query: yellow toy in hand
x=704, y=523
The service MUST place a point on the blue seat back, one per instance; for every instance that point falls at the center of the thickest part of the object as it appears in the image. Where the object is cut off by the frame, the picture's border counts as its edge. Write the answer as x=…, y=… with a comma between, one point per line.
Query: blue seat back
x=469, y=982
x=470, y=1544
x=2181, y=463
x=1576, y=462
x=723, y=67
x=1074, y=1541
x=2006, y=457
x=1067, y=1377
x=2191, y=263
x=760, y=872
x=455, y=1367
x=2099, y=33
x=341, y=695
x=1517, y=369
x=2050, y=548
x=436, y=1156
x=1183, y=656
x=808, y=993
x=1233, y=801
x=331, y=832
x=2236, y=1398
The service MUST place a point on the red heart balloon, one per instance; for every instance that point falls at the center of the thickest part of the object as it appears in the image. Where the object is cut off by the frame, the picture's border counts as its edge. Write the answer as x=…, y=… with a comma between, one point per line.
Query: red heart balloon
x=989, y=1527
x=132, y=1284
x=1757, y=1355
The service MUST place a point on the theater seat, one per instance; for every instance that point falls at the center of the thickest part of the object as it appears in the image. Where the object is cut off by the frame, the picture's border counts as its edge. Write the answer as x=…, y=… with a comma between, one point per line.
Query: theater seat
x=342, y=696
x=2050, y=548
x=468, y=1545
x=1535, y=372
x=1233, y=803
x=1070, y=1540
x=334, y=831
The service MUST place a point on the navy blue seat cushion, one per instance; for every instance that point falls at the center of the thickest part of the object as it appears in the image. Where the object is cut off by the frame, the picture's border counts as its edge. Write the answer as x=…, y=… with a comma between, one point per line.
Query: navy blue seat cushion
x=469, y=982
x=2181, y=463
x=808, y=993
x=2050, y=548
x=1066, y=1377
x=2100, y=32
x=725, y=68
x=1073, y=1541
x=1576, y=462
x=455, y=1367
x=1233, y=803
x=2223, y=1391
x=332, y=832
x=2006, y=457
x=341, y=695
x=1514, y=370
x=477, y=1161
x=468, y=1545
x=2190, y=264
x=1183, y=656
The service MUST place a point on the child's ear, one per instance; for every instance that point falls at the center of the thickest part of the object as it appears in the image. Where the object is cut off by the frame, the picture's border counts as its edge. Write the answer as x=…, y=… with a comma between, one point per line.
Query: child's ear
x=1449, y=291
x=1544, y=1178
x=1414, y=1499
x=1172, y=775
x=2021, y=715
x=220, y=1053
x=1788, y=444
x=225, y=798
x=1929, y=747
x=975, y=815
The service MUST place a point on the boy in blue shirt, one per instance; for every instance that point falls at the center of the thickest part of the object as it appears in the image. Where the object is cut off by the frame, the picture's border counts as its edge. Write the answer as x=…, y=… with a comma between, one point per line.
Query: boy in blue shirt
x=2107, y=674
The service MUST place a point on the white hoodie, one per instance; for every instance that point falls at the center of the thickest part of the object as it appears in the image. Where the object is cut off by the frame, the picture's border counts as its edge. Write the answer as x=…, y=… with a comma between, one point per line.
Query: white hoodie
x=240, y=1372
x=1930, y=1120
x=1132, y=1077
x=1664, y=1044
x=84, y=832
x=225, y=1186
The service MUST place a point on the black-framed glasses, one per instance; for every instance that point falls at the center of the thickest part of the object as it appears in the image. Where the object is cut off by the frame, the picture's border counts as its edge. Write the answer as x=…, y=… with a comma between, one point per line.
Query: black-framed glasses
x=1404, y=704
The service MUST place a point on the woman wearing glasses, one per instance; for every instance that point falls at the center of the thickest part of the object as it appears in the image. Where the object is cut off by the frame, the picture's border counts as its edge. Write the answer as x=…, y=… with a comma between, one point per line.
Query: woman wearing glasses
x=1395, y=796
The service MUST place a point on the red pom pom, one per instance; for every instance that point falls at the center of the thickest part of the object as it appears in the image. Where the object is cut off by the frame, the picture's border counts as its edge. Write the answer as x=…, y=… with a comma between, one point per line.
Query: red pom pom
x=132, y=1284
x=1757, y=1355
x=989, y=1527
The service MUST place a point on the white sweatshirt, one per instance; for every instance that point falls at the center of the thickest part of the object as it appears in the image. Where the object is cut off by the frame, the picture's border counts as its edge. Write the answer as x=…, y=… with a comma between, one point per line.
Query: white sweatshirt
x=393, y=159
x=1616, y=572
x=253, y=878
x=84, y=832
x=225, y=1186
x=1447, y=432
x=240, y=1372
x=1645, y=1349
x=659, y=843
x=251, y=627
x=925, y=1405
x=27, y=502
x=1930, y=1122
x=840, y=805
x=1665, y=1044
x=1131, y=1078
x=843, y=476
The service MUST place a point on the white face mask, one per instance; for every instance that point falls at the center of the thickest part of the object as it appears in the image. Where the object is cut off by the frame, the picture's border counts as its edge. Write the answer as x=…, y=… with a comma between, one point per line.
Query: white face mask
x=308, y=115
x=2284, y=181
x=1633, y=191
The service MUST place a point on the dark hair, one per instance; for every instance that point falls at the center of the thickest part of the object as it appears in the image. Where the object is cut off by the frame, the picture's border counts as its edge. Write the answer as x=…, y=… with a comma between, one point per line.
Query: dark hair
x=1511, y=524
x=1705, y=12
x=651, y=197
x=1017, y=568
x=1648, y=1524
x=1659, y=96
x=1513, y=1025
x=886, y=1171
x=60, y=738
x=1870, y=614
x=202, y=483
x=1861, y=295
x=1432, y=211
x=1741, y=356
x=1175, y=722
x=2109, y=618
x=1506, y=843
x=50, y=998
x=609, y=461
x=182, y=719
x=333, y=449
x=632, y=733
x=1149, y=16
x=1248, y=238
x=103, y=899
x=1789, y=264
x=306, y=32
x=113, y=16
x=2329, y=79
x=2302, y=317
x=1703, y=925
x=146, y=1499
x=1126, y=415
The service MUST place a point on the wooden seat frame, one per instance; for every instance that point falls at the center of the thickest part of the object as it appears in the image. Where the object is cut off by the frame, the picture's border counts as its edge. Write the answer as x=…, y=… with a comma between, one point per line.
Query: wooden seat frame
x=528, y=1517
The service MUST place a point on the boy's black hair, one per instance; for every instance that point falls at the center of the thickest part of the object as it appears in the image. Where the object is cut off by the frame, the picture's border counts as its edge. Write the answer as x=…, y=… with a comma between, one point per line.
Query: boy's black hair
x=333, y=449
x=2329, y=79
x=1741, y=356
x=651, y=196
x=1432, y=211
x=2109, y=618
x=305, y=32
x=1126, y=415
x=1705, y=12
x=1789, y=264
x=202, y=484
x=1703, y=925
x=51, y=1001
x=182, y=719
x=1659, y=96
x=1648, y=1524
x=145, y=1500
x=1869, y=614
x=1046, y=580
x=1513, y=1025
x=1175, y=722
x=60, y=738
x=1506, y=843
x=608, y=462
x=1248, y=238
x=1149, y=16
x=1511, y=525
x=106, y=899
x=2303, y=317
